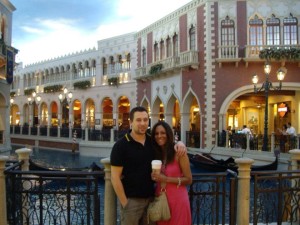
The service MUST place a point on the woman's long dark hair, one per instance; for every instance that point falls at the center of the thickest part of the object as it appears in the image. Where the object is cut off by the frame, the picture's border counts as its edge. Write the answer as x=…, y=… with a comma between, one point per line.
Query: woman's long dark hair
x=169, y=148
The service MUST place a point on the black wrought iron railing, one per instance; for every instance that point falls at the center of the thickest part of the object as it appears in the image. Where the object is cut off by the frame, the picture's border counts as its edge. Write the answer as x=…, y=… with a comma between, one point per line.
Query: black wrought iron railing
x=275, y=197
x=73, y=197
x=53, y=197
x=210, y=199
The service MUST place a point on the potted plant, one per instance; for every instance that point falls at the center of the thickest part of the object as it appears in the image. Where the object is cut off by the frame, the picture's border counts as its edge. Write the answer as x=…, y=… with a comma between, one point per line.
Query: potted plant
x=113, y=81
x=82, y=84
x=155, y=68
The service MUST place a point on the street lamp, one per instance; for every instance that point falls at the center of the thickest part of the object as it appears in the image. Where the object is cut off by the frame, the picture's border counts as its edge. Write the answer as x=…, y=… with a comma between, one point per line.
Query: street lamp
x=11, y=110
x=34, y=100
x=266, y=86
x=65, y=98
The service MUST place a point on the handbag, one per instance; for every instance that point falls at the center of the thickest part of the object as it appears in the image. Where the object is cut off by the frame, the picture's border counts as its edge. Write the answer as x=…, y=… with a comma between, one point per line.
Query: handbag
x=158, y=209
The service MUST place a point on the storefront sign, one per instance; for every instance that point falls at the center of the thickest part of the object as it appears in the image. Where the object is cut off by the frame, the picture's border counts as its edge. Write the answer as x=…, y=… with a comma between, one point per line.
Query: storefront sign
x=282, y=109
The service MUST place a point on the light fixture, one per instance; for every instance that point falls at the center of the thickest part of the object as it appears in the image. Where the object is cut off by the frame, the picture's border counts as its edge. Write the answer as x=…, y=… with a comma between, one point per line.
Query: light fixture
x=66, y=96
x=266, y=87
x=34, y=99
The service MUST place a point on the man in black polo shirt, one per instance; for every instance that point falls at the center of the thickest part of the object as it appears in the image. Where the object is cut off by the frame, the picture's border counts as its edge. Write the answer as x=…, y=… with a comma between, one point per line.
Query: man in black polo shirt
x=131, y=170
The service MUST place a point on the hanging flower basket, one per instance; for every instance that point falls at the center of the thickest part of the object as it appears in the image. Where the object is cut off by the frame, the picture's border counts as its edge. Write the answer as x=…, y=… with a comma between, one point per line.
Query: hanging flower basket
x=155, y=68
x=12, y=94
x=113, y=81
x=53, y=88
x=82, y=84
x=29, y=91
x=280, y=54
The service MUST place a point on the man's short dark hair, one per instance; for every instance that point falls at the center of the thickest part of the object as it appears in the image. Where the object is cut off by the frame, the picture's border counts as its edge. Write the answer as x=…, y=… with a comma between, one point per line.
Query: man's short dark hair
x=136, y=109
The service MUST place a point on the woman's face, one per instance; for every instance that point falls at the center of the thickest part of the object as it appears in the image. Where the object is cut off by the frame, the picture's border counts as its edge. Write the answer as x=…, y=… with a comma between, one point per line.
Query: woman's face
x=160, y=135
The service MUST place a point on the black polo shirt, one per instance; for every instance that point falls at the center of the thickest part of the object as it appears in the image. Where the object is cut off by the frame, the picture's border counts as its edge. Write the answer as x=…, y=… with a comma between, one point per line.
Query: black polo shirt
x=135, y=159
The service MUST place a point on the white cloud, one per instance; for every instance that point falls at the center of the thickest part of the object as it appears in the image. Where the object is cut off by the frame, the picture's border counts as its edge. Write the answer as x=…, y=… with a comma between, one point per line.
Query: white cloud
x=59, y=37
x=32, y=30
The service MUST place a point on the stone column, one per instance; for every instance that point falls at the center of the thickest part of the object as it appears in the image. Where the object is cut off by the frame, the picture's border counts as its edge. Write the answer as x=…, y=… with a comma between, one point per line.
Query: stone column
x=295, y=158
x=217, y=137
x=248, y=141
x=23, y=154
x=3, y=213
x=272, y=142
x=243, y=196
x=110, y=199
x=227, y=139
x=112, y=135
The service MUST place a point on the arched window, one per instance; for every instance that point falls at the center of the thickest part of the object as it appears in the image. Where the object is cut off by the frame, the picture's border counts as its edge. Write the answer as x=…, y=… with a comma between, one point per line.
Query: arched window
x=86, y=69
x=119, y=64
x=175, y=45
x=162, y=49
x=104, y=67
x=273, y=31
x=80, y=70
x=144, y=57
x=112, y=65
x=156, y=53
x=227, y=32
x=128, y=60
x=192, y=34
x=93, y=68
x=169, y=47
x=256, y=31
x=290, y=30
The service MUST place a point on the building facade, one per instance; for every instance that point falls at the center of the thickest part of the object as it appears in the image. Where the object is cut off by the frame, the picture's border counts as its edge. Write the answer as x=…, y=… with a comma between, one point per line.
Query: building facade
x=192, y=68
x=7, y=57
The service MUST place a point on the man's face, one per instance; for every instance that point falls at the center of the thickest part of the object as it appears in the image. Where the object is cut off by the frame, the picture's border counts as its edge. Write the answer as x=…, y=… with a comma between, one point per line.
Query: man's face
x=140, y=122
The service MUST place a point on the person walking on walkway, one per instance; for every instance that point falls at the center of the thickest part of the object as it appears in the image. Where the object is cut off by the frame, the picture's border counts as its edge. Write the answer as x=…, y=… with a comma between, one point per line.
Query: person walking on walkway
x=175, y=175
x=131, y=169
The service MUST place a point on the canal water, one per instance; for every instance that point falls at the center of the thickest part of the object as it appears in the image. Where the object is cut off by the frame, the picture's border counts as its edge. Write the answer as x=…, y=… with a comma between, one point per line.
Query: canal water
x=58, y=158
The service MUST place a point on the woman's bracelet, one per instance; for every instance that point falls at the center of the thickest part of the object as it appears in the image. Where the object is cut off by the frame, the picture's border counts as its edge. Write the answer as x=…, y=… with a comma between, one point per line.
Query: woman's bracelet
x=179, y=182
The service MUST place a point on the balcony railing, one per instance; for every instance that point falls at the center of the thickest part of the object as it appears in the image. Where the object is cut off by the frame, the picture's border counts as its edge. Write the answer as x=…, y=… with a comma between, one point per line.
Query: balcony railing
x=228, y=52
x=252, y=51
x=189, y=58
x=185, y=59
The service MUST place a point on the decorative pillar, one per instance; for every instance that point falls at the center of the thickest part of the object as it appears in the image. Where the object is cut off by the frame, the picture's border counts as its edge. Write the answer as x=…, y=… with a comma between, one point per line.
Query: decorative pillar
x=110, y=199
x=3, y=213
x=227, y=139
x=272, y=141
x=23, y=155
x=112, y=135
x=295, y=158
x=185, y=126
x=248, y=141
x=243, y=196
x=217, y=138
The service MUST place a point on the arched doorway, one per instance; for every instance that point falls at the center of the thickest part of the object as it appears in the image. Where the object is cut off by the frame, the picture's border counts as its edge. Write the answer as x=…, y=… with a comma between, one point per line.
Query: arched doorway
x=107, y=109
x=123, y=109
x=90, y=113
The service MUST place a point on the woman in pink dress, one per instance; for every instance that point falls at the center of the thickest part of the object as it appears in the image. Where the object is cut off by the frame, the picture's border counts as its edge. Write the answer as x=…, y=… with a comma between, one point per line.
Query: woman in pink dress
x=175, y=175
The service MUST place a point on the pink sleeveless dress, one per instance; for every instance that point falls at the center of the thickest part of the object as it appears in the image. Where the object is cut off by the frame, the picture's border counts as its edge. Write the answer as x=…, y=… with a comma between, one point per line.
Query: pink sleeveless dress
x=178, y=198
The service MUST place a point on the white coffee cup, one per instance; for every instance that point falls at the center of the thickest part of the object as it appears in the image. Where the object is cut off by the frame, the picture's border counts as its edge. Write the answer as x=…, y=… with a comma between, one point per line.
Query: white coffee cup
x=156, y=166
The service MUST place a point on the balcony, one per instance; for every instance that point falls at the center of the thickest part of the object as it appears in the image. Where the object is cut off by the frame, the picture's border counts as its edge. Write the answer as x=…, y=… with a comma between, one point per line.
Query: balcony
x=189, y=59
x=169, y=65
x=252, y=53
x=228, y=54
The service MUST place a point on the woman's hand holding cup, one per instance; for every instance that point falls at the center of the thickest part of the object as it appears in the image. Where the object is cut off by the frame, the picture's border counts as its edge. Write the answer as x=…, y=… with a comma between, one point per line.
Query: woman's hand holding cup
x=156, y=166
